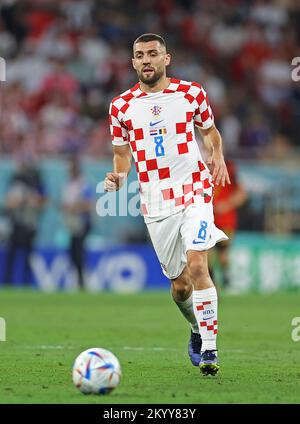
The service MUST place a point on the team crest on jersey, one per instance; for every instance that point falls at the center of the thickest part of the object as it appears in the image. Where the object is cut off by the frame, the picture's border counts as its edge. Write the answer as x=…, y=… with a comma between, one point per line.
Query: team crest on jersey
x=156, y=110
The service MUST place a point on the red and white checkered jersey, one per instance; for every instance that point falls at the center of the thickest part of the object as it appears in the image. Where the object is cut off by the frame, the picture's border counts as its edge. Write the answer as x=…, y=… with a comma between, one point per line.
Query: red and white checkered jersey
x=159, y=127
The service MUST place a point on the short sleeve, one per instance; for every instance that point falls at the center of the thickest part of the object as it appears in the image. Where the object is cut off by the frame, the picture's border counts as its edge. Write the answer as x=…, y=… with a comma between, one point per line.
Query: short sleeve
x=118, y=130
x=203, y=117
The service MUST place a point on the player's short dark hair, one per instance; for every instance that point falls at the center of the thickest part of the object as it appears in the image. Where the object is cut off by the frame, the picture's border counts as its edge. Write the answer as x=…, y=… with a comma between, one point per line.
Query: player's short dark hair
x=144, y=38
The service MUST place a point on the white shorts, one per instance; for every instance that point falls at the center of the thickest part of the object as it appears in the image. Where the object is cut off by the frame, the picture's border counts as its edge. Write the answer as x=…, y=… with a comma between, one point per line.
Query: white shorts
x=192, y=228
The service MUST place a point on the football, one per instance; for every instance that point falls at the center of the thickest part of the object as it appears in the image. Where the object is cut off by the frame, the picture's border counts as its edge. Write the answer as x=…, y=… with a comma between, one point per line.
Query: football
x=96, y=371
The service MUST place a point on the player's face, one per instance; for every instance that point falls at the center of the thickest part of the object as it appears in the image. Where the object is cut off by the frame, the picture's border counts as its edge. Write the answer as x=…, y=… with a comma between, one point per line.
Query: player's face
x=150, y=60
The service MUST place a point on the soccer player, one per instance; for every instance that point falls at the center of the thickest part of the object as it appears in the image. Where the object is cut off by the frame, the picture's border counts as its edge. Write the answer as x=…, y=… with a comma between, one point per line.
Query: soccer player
x=154, y=122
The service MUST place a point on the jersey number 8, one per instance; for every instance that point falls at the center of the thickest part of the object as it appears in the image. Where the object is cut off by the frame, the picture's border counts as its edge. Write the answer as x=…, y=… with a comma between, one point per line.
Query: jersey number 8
x=159, y=148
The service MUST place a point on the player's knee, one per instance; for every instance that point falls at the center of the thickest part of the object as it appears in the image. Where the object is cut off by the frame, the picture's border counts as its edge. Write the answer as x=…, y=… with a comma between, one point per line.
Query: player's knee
x=198, y=270
x=181, y=287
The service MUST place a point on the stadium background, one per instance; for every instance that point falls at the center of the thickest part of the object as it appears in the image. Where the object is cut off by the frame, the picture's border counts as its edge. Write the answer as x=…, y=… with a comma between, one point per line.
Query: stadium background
x=67, y=59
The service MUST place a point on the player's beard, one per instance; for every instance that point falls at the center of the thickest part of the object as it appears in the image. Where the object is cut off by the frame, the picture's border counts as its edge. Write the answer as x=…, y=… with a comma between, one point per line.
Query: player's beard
x=153, y=79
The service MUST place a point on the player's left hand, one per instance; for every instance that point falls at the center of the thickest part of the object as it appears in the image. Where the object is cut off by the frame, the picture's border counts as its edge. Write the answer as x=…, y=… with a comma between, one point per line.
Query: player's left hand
x=217, y=166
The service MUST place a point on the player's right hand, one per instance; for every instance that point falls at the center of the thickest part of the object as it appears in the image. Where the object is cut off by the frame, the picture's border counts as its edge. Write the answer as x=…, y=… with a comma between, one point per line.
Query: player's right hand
x=113, y=181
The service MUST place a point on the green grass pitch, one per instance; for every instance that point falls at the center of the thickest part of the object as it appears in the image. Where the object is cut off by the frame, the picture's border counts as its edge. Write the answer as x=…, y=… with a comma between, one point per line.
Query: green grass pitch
x=45, y=332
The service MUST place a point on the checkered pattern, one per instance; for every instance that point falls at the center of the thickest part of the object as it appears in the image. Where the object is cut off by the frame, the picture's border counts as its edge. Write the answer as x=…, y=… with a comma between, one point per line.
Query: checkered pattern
x=197, y=97
x=182, y=128
x=210, y=325
x=143, y=165
x=118, y=107
x=144, y=209
x=147, y=168
x=177, y=177
x=186, y=194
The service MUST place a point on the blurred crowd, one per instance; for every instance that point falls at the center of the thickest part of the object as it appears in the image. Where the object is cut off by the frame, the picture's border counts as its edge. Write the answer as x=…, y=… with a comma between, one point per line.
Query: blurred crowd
x=67, y=59
x=25, y=200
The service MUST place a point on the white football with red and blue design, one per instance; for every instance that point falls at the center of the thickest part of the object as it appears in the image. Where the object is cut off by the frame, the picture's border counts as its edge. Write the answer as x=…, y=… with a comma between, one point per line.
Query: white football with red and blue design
x=96, y=371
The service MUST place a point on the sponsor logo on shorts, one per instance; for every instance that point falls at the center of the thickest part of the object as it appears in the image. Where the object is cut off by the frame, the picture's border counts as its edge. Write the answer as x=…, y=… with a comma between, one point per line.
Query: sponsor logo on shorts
x=197, y=241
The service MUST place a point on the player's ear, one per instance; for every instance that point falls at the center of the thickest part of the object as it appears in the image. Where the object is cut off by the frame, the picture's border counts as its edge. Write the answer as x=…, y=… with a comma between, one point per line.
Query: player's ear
x=133, y=63
x=167, y=59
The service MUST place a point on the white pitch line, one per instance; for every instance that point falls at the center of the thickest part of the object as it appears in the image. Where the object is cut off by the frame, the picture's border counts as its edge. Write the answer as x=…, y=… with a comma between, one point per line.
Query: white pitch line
x=161, y=349
x=60, y=347
x=155, y=349
x=134, y=348
x=50, y=347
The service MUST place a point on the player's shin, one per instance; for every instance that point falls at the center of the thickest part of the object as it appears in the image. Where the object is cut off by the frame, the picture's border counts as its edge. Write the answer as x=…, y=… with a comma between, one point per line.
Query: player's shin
x=187, y=310
x=205, y=305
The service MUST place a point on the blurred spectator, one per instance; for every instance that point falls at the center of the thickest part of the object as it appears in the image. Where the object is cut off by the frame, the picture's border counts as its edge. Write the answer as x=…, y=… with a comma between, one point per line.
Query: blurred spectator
x=275, y=83
x=12, y=13
x=78, y=13
x=7, y=42
x=24, y=203
x=77, y=202
x=227, y=200
x=256, y=136
x=230, y=128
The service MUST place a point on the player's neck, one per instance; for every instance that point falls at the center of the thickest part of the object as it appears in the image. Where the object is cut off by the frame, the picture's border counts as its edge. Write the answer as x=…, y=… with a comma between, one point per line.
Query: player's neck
x=158, y=86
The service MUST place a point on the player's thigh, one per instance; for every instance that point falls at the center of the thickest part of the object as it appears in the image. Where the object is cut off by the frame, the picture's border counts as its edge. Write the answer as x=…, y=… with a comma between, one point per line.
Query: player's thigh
x=166, y=239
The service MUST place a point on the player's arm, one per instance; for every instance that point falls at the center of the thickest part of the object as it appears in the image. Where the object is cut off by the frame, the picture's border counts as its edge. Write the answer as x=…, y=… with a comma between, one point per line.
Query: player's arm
x=122, y=164
x=213, y=143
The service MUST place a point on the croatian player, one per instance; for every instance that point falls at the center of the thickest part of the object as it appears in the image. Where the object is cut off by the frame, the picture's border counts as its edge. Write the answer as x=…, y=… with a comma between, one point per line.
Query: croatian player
x=154, y=122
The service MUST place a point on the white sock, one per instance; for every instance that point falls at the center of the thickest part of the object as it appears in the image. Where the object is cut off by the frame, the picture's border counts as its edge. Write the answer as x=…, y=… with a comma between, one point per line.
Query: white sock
x=187, y=310
x=205, y=304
